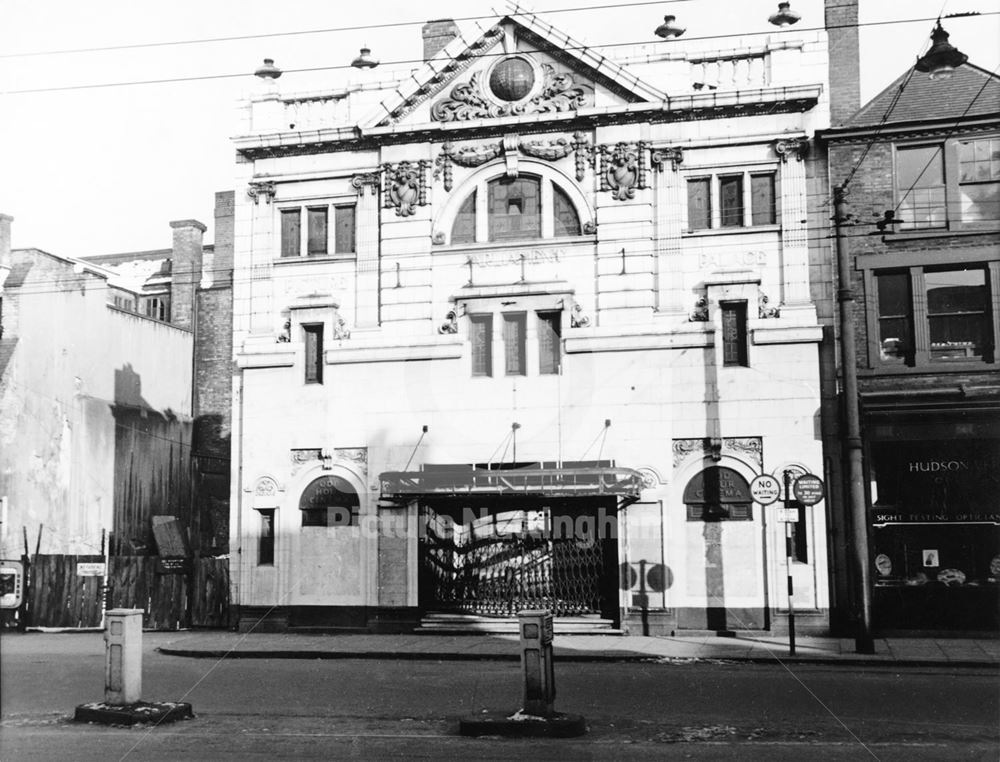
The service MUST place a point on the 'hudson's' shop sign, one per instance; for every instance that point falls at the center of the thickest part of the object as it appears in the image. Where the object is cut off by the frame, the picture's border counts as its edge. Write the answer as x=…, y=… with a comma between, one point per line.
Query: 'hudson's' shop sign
x=936, y=482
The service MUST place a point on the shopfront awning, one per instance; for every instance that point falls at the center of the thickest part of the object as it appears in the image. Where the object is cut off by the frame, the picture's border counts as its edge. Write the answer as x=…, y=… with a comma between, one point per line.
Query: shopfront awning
x=612, y=481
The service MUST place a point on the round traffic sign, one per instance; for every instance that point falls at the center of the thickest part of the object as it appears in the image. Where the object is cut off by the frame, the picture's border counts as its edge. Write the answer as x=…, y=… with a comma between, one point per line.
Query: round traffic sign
x=808, y=489
x=765, y=489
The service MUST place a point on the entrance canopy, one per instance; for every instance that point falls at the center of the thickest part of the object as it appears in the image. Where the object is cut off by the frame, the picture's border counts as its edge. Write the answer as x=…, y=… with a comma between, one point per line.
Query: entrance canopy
x=624, y=483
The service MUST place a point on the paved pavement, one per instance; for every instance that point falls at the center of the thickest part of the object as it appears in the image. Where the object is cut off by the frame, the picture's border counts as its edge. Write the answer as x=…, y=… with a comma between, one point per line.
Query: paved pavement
x=744, y=648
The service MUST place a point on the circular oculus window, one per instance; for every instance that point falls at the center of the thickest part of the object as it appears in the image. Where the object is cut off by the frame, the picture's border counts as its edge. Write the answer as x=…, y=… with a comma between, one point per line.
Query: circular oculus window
x=512, y=79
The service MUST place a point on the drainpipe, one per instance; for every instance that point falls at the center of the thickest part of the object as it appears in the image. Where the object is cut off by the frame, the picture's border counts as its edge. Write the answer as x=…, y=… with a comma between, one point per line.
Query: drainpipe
x=857, y=504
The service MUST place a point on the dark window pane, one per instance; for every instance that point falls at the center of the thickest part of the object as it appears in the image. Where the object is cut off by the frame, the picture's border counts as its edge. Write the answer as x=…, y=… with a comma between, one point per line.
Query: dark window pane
x=344, y=232
x=464, y=229
x=762, y=199
x=895, y=317
x=956, y=311
x=731, y=201
x=567, y=222
x=699, y=204
x=290, y=232
x=314, y=353
x=514, y=209
x=265, y=549
x=514, y=330
x=481, y=341
x=920, y=187
x=549, y=332
x=734, y=333
x=317, y=232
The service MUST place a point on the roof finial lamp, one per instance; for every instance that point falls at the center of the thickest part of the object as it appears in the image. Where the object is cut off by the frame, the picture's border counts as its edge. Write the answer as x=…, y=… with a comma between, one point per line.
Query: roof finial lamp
x=943, y=58
x=785, y=15
x=669, y=29
x=364, y=60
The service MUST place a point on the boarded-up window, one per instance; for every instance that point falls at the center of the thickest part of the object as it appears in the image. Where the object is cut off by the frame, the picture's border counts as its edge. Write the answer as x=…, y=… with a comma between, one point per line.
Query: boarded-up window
x=464, y=229
x=762, y=199
x=567, y=221
x=481, y=341
x=699, y=204
x=314, y=353
x=549, y=333
x=514, y=336
x=291, y=232
x=731, y=201
x=734, y=333
x=317, y=232
x=344, y=229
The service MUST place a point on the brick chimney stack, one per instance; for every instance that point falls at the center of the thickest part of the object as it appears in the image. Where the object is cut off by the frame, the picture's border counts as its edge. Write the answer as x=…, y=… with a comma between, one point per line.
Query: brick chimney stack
x=845, y=65
x=185, y=271
x=437, y=34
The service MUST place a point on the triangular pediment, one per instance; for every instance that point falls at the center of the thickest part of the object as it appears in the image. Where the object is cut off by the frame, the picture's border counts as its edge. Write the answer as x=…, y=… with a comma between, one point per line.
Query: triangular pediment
x=518, y=66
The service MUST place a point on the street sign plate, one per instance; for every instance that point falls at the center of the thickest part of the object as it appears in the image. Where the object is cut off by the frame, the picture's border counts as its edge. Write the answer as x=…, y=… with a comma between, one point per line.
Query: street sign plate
x=87, y=569
x=765, y=489
x=808, y=489
x=788, y=514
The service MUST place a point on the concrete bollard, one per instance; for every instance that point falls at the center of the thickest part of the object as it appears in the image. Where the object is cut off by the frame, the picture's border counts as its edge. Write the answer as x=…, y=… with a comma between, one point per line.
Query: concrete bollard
x=123, y=656
x=537, y=716
x=536, y=662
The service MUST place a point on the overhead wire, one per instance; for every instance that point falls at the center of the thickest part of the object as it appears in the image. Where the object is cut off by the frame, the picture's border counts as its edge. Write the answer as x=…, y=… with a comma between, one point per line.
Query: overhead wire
x=420, y=61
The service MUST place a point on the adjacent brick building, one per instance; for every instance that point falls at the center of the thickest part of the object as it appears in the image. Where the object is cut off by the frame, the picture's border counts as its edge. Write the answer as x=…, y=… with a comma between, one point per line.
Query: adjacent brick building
x=921, y=164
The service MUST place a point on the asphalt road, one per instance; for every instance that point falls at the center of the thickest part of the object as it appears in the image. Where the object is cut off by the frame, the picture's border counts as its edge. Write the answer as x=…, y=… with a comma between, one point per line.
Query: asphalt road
x=267, y=709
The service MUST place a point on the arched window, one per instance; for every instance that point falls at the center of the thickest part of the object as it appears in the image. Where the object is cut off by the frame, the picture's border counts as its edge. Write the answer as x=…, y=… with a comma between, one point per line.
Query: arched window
x=718, y=494
x=524, y=208
x=329, y=501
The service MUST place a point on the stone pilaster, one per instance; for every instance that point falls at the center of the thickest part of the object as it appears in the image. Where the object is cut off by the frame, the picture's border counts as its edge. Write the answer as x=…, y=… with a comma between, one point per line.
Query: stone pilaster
x=367, y=249
x=794, y=225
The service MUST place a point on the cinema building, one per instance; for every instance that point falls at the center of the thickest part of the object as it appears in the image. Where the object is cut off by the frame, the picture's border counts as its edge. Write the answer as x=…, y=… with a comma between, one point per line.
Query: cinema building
x=519, y=329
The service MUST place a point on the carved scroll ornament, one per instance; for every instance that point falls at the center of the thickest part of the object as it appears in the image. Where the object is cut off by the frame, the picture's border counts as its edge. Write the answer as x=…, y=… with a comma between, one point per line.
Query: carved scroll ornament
x=469, y=100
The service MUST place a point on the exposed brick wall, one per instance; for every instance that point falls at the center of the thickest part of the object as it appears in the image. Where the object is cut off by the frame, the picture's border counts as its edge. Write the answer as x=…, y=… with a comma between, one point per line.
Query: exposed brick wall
x=870, y=194
x=212, y=402
x=845, y=81
x=437, y=34
x=185, y=270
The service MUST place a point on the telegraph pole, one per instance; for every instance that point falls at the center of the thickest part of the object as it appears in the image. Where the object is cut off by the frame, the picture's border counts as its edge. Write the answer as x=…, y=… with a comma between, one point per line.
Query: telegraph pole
x=864, y=644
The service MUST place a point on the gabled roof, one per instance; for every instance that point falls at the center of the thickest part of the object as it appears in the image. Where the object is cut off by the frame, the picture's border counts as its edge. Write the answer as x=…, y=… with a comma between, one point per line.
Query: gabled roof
x=969, y=93
x=440, y=71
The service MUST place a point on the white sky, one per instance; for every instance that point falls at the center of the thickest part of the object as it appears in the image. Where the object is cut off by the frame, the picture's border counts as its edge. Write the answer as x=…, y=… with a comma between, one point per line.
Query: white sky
x=104, y=170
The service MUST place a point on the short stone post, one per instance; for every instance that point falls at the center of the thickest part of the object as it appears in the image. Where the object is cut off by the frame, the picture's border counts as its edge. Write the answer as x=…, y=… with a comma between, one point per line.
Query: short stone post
x=537, y=715
x=536, y=662
x=123, y=704
x=123, y=656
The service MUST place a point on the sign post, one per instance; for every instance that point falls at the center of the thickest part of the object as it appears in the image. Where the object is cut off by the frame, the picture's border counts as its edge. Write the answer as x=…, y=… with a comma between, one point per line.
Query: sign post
x=788, y=558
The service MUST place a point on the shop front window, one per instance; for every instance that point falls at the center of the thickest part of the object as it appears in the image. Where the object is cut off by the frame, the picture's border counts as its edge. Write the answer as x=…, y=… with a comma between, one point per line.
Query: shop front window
x=935, y=533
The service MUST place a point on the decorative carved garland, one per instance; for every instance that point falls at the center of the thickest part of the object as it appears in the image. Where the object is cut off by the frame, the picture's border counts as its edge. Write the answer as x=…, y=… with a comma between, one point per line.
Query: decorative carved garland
x=750, y=447
x=406, y=186
x=469, y=100
x=475, y=155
